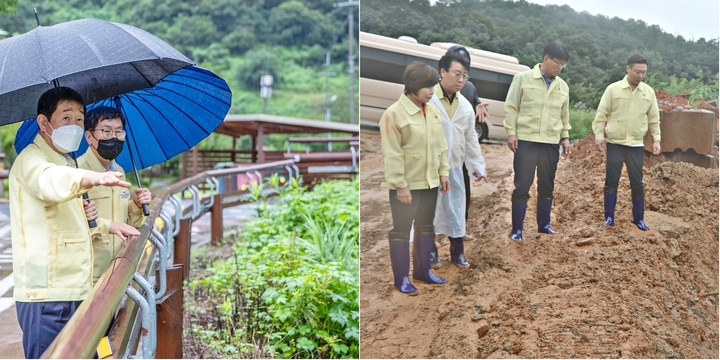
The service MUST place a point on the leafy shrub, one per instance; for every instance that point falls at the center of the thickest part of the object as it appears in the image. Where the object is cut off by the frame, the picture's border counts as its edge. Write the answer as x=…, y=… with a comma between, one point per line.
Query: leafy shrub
x=290, y=288
x=581, y=122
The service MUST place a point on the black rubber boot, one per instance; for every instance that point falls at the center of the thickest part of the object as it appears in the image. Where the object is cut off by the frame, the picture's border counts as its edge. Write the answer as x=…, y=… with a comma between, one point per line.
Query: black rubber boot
x=422, y=246
x=543, y=216
x=400, y=260
x=518, y=216
x=457, y=252
x=638, y=211
x=610, y=201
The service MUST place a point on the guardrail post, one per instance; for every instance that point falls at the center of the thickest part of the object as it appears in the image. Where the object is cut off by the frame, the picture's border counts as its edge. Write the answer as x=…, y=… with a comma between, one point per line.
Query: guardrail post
x=216, y=220
x=170, y=316
x=182, y=247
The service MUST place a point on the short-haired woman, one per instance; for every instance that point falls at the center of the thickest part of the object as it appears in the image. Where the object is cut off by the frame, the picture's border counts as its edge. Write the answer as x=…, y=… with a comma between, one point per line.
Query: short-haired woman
x=413, y=146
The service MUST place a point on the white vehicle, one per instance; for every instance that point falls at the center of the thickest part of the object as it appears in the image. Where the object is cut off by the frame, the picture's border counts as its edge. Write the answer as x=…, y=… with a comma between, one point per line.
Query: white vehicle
x=383, y=60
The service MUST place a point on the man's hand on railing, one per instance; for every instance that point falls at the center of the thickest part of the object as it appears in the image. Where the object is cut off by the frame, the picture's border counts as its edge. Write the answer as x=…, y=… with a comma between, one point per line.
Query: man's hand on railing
x=123, y=230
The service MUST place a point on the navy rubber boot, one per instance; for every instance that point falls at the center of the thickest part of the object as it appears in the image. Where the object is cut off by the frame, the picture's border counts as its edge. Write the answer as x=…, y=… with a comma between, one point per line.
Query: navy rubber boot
x=638, y=211
x=434, y=258
x=518, y=216
x=422, y=246
x=610, y=201
x=457, y=252
x=400, y=260
x=543, y=216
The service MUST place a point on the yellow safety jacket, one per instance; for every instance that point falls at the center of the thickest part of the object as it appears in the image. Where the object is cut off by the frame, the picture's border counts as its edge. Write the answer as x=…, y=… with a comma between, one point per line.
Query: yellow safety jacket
x=534, y=112
x=52, y=254
x=627, y=114
x=413, y=146
x=113, y=204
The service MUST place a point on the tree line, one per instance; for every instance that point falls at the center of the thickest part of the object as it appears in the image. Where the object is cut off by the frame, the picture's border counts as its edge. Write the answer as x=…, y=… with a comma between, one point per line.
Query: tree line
x=599, y=45
x=238, y=39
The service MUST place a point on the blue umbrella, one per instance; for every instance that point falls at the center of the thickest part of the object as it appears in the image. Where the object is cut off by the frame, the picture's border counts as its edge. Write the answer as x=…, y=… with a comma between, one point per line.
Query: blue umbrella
x=162, y=121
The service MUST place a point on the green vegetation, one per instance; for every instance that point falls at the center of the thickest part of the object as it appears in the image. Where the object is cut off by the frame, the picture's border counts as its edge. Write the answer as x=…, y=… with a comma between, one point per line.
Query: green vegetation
x=599, y=46
x=240, y=40
x=290, y=287
x=581, y=122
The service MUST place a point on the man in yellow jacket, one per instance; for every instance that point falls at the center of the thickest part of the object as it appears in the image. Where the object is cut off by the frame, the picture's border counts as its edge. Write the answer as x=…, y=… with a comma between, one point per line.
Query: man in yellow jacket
x=627, y=109
x=52, y=255
x=105, y=135
x=536, y=120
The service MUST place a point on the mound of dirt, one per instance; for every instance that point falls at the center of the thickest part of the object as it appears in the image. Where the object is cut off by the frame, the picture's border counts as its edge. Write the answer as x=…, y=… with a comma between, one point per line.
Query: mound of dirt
x=588, y=291
x=668, y=102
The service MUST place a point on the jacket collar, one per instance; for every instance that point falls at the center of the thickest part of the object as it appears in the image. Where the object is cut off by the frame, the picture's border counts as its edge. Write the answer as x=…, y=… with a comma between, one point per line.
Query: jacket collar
x=444, y=93
x=52, y=155
x=95, y=164
x=537, y=74
x=626, y=84
x=409, y=106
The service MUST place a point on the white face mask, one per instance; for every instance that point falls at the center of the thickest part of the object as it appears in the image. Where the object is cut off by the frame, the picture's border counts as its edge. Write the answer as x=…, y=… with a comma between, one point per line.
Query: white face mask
x=67, y=138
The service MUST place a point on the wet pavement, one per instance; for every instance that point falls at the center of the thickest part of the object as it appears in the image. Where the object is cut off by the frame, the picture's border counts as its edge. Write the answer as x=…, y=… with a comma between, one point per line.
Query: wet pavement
x=10, y=334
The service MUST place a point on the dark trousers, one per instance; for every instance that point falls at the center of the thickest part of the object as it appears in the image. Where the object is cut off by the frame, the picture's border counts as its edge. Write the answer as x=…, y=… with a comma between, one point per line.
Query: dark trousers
x=421, y=209
x=633, y=158
x=466, y=178
x=528, y=157
x=41, y=322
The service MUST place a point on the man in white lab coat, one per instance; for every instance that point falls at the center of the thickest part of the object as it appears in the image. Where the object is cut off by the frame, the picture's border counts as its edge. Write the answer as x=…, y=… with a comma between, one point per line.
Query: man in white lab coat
x=459, y=124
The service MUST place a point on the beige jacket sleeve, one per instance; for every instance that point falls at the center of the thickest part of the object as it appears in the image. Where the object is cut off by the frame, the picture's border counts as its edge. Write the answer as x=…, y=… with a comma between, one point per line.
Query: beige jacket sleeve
x=654, y=118
x=601, y=117
x=393, y=155
x=512, y=105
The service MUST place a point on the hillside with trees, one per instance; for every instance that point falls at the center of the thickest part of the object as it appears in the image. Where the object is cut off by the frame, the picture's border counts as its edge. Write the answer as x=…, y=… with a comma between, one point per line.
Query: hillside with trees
x=240, y=40
x=599, y=45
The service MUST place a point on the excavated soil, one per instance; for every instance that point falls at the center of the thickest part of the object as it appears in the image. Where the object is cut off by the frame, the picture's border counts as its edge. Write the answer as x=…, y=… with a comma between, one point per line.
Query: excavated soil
x=588, y=291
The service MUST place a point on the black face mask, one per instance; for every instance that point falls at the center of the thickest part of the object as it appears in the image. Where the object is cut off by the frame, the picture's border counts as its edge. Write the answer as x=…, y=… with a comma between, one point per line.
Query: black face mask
x=109, y=149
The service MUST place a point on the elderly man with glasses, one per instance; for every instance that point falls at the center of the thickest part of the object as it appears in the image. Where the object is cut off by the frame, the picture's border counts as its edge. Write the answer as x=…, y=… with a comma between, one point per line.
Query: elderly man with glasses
x=105, y=135
x=458, y=122
x=537, y=121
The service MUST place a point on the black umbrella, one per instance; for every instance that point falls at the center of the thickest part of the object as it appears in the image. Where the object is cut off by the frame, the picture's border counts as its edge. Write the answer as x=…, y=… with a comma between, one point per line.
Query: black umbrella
x=96, y=58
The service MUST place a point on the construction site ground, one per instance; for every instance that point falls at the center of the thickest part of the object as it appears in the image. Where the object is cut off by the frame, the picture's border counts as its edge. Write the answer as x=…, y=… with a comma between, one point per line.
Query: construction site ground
x=588, y=291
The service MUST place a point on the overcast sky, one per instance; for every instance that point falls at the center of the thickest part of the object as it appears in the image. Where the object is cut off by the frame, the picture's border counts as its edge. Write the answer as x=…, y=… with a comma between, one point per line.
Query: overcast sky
x=692, y=19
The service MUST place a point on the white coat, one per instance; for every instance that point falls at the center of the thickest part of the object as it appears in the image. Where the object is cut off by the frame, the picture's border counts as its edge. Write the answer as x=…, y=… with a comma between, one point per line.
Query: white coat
x=463, y=147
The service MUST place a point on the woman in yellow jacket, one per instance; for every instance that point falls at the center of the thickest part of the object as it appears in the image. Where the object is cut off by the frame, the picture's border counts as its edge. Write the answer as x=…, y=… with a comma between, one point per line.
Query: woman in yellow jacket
x=105, y=134
x=413, y=146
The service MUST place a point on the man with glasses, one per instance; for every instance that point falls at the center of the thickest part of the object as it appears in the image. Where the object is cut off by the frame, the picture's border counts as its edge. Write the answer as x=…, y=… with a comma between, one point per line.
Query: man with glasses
x=463, y=149
x=627, y=110
x=105, y=135
x=537, y=121
x=481, y=114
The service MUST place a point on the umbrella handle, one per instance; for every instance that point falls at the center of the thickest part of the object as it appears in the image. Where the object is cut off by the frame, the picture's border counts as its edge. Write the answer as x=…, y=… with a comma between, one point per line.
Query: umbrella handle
x=146, y=210
x=91, y=223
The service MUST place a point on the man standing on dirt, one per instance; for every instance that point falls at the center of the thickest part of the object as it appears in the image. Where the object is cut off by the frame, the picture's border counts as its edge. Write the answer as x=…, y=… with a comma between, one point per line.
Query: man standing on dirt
x=537, y=120
x=458, y=122
x=627, y=109
x=470, y=93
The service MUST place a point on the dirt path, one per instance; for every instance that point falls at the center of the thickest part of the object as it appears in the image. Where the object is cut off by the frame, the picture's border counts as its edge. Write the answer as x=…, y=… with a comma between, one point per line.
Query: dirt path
x=588, y=291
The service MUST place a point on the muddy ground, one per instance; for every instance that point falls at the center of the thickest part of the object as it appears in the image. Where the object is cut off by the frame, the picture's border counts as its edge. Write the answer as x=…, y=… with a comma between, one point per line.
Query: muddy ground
x=588, y=291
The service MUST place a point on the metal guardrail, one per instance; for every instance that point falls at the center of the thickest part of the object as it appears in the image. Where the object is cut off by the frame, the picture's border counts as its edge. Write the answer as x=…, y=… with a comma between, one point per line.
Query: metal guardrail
x=145, y=313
